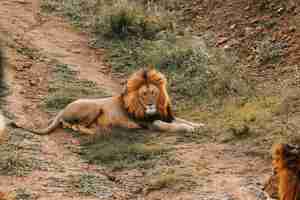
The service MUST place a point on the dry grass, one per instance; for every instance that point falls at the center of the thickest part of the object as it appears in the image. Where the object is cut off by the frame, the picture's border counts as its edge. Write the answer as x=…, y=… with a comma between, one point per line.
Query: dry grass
x=66, y=88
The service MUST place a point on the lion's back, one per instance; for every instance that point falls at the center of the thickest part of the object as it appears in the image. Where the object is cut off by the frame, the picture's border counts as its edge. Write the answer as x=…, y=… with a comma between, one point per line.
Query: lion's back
x=86, y=108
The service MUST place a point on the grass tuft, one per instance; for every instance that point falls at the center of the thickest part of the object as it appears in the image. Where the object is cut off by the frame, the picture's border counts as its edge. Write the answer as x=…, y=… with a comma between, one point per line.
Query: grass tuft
x=124, y=150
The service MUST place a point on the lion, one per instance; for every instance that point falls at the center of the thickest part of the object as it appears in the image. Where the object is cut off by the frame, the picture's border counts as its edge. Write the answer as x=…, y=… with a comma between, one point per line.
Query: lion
x=144, y=103
x=286, y=164
x=2, y=120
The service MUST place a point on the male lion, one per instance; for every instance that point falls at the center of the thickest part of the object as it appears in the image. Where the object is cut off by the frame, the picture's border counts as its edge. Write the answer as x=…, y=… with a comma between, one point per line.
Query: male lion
x=286, y=163
x=144, y=103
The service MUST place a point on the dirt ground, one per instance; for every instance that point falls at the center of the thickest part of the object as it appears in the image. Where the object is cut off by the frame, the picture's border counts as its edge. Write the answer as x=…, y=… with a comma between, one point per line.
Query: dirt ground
x=220, y=171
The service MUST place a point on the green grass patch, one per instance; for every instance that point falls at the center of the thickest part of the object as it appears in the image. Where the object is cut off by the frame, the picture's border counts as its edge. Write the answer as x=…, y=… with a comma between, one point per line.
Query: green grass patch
x=123, y=150
x=115, y=18
x=89, y=184
x=23, y=194
x=18, y=155
x=170, y=177
x=195, y=73
x=124, y=18
x=15, y=163
x=165, y=179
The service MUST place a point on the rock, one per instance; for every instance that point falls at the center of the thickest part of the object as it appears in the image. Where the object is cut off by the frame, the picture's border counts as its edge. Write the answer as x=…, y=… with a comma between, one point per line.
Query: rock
x=77, y=51
x=19, y=68
x=232, y=26
x=32, y=82
x=27, y=65
x=22, y=1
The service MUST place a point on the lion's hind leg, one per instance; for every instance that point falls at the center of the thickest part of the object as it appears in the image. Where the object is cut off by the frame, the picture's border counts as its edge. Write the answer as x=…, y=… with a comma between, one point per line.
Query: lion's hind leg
x=80, y=128
x=68, y=125
x=87, y=130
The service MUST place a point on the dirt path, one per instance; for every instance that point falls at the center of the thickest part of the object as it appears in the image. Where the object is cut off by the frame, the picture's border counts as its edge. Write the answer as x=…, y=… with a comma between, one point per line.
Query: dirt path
x=220, y=171
x=55, y=39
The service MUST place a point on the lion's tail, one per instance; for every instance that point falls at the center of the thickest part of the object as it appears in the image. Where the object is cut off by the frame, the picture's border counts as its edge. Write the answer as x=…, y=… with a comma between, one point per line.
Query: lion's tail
x=54, y=124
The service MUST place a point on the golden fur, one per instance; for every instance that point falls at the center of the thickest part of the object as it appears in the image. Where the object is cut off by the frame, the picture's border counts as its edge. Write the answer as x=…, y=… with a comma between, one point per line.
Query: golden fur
x=3, y=131
x=286, y=163
x=144, y=103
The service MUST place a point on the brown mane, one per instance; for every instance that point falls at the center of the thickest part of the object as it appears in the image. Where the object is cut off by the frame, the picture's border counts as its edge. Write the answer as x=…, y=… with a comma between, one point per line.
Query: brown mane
x=286, y=162
x=131, y=100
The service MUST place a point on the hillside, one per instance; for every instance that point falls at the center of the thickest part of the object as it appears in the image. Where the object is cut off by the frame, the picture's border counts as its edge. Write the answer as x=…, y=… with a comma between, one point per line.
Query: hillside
x=232, y=65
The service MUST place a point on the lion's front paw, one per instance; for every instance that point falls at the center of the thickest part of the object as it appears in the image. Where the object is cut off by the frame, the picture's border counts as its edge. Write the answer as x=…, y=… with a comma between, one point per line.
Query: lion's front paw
x=199, y=125
x=133, y=126
x=189, y=129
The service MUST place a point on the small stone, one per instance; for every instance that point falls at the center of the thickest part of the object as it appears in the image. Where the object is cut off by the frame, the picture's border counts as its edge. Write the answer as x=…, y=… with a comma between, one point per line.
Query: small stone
x=292, y=28
x=77, y=51
x=32, y=82
x=232, y=26
x=19, y=67
x=22, y=1
x=27, y=64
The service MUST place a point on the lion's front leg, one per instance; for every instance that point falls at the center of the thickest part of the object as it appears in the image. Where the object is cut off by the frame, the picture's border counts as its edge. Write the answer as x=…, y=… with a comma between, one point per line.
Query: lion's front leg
x=129, y=124
x=171, y=127
x=196, y=125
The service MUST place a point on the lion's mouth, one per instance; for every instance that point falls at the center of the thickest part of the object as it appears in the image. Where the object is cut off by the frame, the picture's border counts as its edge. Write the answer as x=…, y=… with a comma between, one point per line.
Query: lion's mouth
x=151, y=110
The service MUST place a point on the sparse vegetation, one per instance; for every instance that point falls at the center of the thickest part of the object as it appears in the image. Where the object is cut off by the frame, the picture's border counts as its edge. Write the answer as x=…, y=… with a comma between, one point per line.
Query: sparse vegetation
x=61, y=94
x=90, y=184
x=12, y=163
x=23, y=194
x=269, y=52
x=124, y=150
x=126, y=19
x=80, y=12
x=163, y=179
x=169, y=177
x=15, y=158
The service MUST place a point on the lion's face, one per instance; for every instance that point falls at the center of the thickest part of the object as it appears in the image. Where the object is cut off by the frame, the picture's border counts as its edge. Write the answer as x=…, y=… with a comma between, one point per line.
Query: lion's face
x=145, y=96
x=148, y=97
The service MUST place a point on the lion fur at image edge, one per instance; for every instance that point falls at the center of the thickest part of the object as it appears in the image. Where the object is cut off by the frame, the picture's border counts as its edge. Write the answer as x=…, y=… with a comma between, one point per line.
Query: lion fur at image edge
x=284, y=184
x=2, y=121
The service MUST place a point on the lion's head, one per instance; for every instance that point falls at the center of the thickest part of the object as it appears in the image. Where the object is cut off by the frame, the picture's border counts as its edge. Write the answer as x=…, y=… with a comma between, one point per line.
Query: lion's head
x=145, y=96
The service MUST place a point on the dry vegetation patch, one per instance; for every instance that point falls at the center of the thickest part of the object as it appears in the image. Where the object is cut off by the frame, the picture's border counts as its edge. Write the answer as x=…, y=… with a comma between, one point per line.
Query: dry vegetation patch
x=65, y=88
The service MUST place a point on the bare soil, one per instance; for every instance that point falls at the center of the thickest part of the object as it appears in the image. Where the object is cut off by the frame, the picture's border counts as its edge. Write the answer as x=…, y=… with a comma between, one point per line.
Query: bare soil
x=219, y=171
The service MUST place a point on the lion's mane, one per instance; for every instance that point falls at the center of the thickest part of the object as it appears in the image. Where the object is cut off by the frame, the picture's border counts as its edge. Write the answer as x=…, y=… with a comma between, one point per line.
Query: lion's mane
x=131, y=99
x=286, y=162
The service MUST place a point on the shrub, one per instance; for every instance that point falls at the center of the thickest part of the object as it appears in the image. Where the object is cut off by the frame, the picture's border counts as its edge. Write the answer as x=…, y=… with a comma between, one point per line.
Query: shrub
x=268, y=51
x=123, y=19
